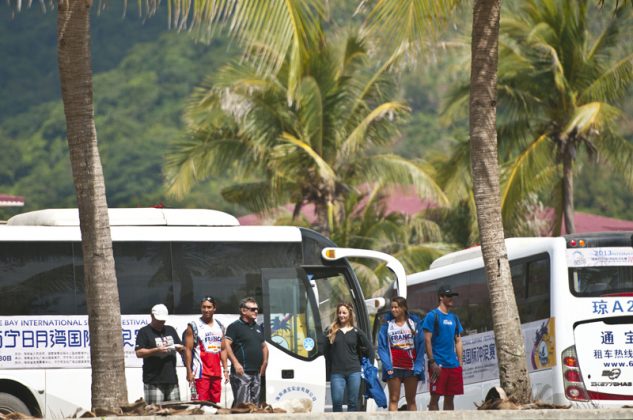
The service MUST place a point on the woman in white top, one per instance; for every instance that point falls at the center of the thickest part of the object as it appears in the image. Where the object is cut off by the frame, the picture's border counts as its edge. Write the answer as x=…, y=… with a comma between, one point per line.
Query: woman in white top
x=401, y=351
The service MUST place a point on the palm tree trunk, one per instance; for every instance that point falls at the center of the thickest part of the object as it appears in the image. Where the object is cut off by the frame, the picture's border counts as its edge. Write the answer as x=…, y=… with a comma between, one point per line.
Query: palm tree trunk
x=323, y=208
x=513, y=372
x=568, y=192
x=102, y=297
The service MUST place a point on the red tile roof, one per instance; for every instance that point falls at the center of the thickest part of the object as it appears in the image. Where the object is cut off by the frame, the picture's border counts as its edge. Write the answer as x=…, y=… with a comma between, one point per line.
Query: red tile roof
x=405, y=201
x=11, y=200
x=586, y=222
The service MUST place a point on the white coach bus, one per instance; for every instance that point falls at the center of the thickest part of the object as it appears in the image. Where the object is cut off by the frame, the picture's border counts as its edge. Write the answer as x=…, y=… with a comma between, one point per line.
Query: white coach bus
x=575, y=301
x=174, y=257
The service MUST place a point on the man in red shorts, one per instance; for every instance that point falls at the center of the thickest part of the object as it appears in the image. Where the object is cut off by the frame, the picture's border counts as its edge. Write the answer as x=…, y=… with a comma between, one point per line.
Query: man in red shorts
x=443, y=344
x=205, y=357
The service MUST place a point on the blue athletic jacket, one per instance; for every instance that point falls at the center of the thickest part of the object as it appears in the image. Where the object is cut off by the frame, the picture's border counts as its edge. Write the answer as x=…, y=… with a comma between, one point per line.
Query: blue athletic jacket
x=385, y=354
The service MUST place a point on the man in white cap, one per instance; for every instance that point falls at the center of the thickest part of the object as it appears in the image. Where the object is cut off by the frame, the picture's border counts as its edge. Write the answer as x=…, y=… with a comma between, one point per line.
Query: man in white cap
x=157, y=344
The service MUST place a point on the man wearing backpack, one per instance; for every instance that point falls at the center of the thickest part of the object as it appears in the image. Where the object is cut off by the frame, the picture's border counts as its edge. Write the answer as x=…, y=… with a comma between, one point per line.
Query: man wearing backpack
x=205, y=356
x=443, y=344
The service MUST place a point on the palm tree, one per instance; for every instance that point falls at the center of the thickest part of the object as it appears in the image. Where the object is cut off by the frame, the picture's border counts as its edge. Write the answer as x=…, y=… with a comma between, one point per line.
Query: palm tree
x=102, y=298
x=313, y=150
x=484, y=166
x=559, y=89
x=562, y=99
x=513, y=373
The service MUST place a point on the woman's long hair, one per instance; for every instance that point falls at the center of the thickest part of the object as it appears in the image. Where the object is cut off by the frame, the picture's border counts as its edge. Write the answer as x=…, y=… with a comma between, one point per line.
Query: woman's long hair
x=336, y=325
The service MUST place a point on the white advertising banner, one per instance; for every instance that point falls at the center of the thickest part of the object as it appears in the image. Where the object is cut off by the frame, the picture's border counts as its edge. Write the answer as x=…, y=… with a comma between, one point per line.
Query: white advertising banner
x=594, y=257
x=28, y=342
x=480, y=352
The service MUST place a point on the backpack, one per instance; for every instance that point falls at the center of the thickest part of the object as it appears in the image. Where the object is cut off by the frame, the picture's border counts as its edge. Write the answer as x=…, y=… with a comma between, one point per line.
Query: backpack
x=436, y=324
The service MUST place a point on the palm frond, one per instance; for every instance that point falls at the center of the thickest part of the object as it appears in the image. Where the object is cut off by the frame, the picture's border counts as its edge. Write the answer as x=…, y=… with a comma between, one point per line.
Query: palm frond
x=529, y=172
x=419, y=257
x=396, y=170
x=258, y=197
x=268, y=30
x=325, y=170
x=617, y=152
x=310, y=110
x=453, y=171
x=408, y=23
x=588, y=117
x=611, y=84
x=358, y=138
x=200, y=156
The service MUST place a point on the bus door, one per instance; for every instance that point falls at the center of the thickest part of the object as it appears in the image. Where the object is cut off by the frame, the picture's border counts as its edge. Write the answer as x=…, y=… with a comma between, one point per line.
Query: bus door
x=296, y=366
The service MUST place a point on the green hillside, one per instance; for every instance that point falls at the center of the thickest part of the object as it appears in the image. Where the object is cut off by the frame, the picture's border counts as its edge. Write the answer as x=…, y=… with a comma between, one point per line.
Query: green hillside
x=143, y=74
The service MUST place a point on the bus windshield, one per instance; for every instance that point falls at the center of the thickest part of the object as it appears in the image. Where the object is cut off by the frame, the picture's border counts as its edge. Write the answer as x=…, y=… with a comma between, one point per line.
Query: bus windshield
x=601, y=281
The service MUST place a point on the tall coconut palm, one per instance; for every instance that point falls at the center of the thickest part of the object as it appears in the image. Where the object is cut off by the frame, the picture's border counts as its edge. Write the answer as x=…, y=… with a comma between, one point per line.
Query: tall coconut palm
x=563, y=98
x=513, y=373
x=102, y=298
x=312, y=150
x=484, y=166
x=559, y=91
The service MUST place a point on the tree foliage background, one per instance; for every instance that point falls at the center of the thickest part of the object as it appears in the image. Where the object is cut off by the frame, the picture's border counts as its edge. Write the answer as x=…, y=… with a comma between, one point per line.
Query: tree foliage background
x=143, y=76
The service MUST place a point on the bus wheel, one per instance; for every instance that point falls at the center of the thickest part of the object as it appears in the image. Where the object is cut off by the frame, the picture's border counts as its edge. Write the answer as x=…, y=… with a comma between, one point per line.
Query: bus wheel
x=12, y=404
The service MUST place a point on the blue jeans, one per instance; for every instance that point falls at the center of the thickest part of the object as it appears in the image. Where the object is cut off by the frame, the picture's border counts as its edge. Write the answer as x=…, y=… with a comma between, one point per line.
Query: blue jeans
x=339, y=383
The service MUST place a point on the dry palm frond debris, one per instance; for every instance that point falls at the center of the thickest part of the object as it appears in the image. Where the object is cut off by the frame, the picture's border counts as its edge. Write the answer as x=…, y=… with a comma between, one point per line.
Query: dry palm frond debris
x=14, y=416
x=497, y=399
x=141, y=408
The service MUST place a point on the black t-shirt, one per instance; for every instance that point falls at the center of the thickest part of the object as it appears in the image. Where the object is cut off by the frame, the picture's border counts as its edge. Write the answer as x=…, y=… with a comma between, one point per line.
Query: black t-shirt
x=158, y=369
x=246, y=343
x=344, y=353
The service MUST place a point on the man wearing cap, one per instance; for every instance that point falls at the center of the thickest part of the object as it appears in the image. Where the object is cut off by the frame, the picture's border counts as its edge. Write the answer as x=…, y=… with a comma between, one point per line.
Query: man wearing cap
x=205, y=355
x=157, y=344
x=443, y=344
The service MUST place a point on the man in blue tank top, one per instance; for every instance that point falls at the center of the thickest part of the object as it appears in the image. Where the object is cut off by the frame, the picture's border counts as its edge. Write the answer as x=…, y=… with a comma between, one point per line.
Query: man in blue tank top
x=443, y=344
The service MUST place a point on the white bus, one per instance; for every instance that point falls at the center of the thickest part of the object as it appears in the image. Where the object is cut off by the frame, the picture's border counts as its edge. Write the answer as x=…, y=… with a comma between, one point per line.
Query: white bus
x=174, y=257
x=575, y=301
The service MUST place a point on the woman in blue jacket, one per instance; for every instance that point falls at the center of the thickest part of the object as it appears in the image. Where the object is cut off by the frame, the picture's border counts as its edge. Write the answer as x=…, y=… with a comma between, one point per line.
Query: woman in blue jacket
x=401, y=351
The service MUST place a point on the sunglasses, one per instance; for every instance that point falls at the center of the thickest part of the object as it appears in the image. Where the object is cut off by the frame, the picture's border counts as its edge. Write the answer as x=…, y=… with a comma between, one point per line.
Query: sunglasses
x=208, y=299
x=252, y=309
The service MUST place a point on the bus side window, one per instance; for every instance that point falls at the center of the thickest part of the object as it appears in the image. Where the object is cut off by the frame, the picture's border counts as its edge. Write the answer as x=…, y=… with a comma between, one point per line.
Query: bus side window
x=143, y=273
x=36, y=278
x=537, y=302
x=473, y=305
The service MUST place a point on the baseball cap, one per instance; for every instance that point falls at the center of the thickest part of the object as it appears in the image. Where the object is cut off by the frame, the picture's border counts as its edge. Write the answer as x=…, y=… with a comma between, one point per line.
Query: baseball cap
x=160, y=312
x=446, y=291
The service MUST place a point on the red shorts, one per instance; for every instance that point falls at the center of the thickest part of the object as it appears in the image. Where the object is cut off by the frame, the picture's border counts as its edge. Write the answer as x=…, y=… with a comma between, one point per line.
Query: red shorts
x=449, y=382
x=209, y=388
